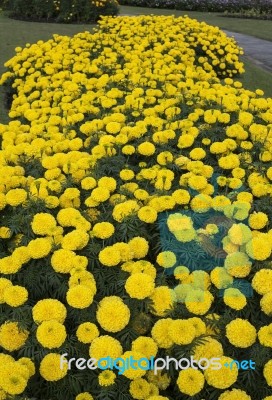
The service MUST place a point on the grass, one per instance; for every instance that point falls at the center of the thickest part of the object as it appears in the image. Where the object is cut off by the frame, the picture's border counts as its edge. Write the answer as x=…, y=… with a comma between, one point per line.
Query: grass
x=17, y=33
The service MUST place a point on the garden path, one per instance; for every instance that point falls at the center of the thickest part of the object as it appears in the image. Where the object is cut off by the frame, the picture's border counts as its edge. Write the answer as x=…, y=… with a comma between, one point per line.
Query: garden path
x=257, y=50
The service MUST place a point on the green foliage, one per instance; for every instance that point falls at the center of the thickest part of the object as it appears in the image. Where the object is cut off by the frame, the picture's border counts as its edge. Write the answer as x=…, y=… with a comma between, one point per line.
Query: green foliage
x=79, y=11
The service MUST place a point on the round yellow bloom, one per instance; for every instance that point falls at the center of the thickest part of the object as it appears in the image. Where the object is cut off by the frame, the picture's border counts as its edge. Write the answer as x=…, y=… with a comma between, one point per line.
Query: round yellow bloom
x=234, y=329
x=15, y=197
x=39, y=248
x=223, y=377
x=75, y=240
x=87, y=332
x=238, y=264
x=146, y=149
x=105, y=346
x=262, y=281
x=266, y=303
x=234, y=298
x=267, y=372
x=145, y=345
x=48, y=309
x=198, y=301
x=139, y=247
x=160, y=333
x=12, y=337
x=109, y=256
x=265, y=335
x=139, y=389
x=80, y=296
x=15, y=296
x=257, y=220
x=139, y=286
x=51, y=334
x=186, y=327
x=50, y=368
x=190, y=381
x=103, y=230
x=259, y=248
x=106, y=378
x=147, y=214
x=132, y=373
x=84, y=396
x=163, y=299
x=43, y=224
x=4, y=284
x=166, y=259
x=13, y=378
x=234, y=394
x=112, y=314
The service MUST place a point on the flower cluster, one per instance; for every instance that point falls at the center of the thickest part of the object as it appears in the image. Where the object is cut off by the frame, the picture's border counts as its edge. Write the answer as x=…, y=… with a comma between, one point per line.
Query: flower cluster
x=135, y=198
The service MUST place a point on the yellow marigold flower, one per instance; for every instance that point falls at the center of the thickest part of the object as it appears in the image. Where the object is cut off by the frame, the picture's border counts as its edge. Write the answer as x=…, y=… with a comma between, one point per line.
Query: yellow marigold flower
x=27, y=362
x=225, y=376
x=220, y=278
x=239, y=234
x=267, y=372
x=211, y=348
x=100, y=194
x=190, y=381
x=229, y=162
x=5, y=233
x=147, y=214
x=238, y=264
x=124, y=209
x=234, y=298
x=84, y=396
x=139, y=286
x=132, y=373
x=257, y=220
x=109, y=256
x=184, y=326
x=87, y=332
x=75, y=240
x=43, y=224
x=11, y=336
x=265, y=335
x=128, y=150
x=234, y=394
x=139, y=246
x=266, y=303
x=50, y=368
x=12, y=379
x=48, y=309
x=262, y=281
x=181, y=196
x=15, y=296
x=106, y=378
x=160, y=333
x=201, y=203
x=234, y=329
x=199, y=325
x=113, y=127
x=105, y=346
x=51, y=334
x=15, y=197
x=4, y=284
x=88, y=183
x=146, y=149
x=112, y=314
x=107, y=182
x=126, y=174
x=259, y=248
x=145, y=345
x=198, y=301
x=166, y=259
x=80, y=296
x=39, y=248
x=103, y=230
x=163, y=299
x=140, y=389
x=181, y=272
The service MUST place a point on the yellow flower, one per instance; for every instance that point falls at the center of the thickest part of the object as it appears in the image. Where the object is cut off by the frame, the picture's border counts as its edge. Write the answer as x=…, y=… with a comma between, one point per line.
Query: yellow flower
x=11, y=336
x=184, y=326
x=39, y=248
x=147, y=214
x=262, y=281
x=4, y=284
x=51, y=334
x=139, y=247
x=234, y=298
x=15, y=197
x=166, y=259
x=105, y=346
x=234, y=329
x=163, y=299
x=257, y=220
x=15, y=296
x=259, y=248
x=106, y=378
x=109, y=256
x=43, y=224
x=265, y=335
x=146, y=149
x=267, y=372
x=50, y=367
x=84, y=396
x=234, y=394
x=223, y=377
x=145, y=345
x=190, y=381
x=48, y=309
x=103, y=230
x=112, y=314
x=140, y=285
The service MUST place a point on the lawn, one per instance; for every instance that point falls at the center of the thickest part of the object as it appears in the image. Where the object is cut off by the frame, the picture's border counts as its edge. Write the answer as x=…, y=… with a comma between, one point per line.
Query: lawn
x=17, y=33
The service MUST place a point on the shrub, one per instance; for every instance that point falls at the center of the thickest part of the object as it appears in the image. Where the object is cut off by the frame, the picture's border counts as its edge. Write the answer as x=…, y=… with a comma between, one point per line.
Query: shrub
x=61, y=10
x=136, y=214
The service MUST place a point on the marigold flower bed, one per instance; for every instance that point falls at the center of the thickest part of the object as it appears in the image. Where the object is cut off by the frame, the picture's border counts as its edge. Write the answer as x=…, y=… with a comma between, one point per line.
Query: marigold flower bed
x=135, y=198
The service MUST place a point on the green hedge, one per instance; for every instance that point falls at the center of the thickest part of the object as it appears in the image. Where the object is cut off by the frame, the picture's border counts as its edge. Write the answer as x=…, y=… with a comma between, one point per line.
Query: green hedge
x=60, y=10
